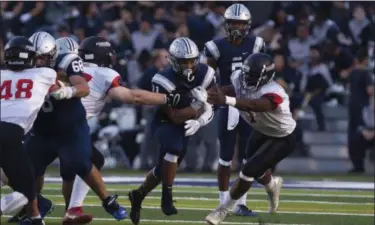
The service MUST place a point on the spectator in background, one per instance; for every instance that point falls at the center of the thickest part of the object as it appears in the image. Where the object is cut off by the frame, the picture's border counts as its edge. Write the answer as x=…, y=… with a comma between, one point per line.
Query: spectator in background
x=216, y=19
x=365, y=137
x=318, y=81
x=357, y=24
x=136, y=67
x=340, y=60
x=89, y=22
x=147, y=38
x=10, y=12
x=361, y=84
x=149, y=150
x=299, y=49
x=63, y=30
x=324, y=28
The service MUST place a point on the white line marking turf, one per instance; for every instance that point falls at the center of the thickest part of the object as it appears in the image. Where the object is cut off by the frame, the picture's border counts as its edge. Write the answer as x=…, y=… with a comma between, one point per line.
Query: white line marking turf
x=249, y=200
x=216, y=192
x=177, y=221
x=258, y=211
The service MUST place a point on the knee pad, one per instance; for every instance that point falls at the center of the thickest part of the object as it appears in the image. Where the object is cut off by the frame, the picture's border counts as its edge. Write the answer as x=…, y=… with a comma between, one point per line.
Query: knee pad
x=97, y=159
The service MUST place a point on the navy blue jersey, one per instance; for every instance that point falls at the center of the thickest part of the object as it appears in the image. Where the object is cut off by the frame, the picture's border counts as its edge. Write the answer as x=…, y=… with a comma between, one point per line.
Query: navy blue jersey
x=229, y=57
x=59, y=116
x=167, y=81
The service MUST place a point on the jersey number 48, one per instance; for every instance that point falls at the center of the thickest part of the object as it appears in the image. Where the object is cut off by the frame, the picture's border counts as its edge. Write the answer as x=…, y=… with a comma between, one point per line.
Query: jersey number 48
x=21, y=89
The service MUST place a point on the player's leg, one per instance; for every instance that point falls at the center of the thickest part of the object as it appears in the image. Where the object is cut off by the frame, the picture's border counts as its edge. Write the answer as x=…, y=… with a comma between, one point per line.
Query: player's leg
x=244, y=131
x=74, y=214
x=18, y=168
x=227, y=143
x=169, y=137
x=76, y=151
x=3, y=178
x=269, y=154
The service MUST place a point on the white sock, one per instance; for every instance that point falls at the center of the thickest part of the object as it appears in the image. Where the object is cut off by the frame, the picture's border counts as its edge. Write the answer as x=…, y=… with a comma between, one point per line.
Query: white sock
x=242, y=200
x=229, y=202
x=12, y=203
x=36, y=217
x=223, y=195
x=270, y=185
x=79, y=193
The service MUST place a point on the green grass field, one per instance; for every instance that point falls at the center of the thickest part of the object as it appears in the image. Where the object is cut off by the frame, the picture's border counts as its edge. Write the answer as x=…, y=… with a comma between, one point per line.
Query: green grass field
x=298, y=206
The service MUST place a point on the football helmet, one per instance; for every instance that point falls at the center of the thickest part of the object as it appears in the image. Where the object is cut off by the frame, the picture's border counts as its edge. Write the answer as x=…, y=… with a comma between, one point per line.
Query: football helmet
x=237, y=21
x=97, y=50
x=66, y=45
x=258, y=69
x=45, y=46
x=184, y=57
x=19, y=53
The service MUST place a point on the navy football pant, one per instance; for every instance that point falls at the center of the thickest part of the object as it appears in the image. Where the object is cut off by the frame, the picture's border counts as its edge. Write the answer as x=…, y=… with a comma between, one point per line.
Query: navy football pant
x=74, y=149
x=15, y=161
x=228, y=137
x=172, y=140
x=264, y=152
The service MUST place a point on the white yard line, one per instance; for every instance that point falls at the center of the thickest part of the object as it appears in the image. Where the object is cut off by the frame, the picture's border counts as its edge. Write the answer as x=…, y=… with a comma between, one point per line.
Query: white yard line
x=177, y=221
x=307, y=194
x=249, y=200
x=259, y=211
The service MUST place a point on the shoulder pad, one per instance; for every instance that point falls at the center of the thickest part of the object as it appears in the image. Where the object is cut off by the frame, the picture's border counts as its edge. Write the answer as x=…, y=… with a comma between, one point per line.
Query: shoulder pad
x=164, y=82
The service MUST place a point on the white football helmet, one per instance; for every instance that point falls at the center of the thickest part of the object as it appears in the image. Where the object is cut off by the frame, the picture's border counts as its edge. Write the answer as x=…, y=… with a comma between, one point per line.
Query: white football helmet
x=184, y=57
x=45, y=46
x=66, y=45
x=237, y=21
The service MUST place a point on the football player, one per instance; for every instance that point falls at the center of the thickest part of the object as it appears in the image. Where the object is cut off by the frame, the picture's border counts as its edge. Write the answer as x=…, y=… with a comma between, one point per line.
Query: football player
x=23, y=90
x=227, y=54
x=97, y=54
x=185, y=75
x=61, y=127
x=265, y=106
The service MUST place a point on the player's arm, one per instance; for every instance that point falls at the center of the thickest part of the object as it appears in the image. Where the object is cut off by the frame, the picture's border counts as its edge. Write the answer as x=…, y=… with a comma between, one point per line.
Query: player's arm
x=268, y=102
x=212, y=53
x=73, y=70
x=177, y=116
x=141, y=97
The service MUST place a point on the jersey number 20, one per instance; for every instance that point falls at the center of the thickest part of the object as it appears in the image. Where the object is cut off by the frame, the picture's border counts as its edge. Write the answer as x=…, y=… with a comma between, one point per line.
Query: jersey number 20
x=23, y=89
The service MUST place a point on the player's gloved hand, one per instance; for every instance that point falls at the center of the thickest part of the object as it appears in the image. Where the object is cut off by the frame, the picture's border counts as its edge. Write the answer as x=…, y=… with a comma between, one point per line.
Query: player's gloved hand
x=192, y=126
x=63, y=92
x=200, y=94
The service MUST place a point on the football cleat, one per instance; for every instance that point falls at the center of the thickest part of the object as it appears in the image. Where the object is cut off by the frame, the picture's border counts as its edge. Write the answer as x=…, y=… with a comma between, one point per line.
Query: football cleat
x=45, y=207
x=31, y=221
x=217, y=216
x=242, y=210
x=274, y=195
x=112, y=207
x=135, y=198
x=76, y=216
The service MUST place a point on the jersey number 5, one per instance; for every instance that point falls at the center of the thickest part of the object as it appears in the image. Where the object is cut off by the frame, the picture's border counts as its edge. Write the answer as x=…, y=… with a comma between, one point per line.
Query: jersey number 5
x=77, y=66
x=23, y=89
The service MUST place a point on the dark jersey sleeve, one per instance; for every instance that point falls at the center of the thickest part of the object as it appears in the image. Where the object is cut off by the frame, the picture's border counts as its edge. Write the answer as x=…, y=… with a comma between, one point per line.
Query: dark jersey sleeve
x=161, y=84
x=71, y=64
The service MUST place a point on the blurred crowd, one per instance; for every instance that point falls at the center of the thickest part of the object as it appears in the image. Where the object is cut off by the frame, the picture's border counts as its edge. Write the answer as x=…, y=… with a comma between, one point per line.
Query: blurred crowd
x=323, y=51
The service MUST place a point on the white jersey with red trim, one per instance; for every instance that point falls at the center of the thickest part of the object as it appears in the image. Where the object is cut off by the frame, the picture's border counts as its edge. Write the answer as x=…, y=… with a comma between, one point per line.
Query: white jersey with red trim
x=277, y=123
x=100, y=80
x=23, y=94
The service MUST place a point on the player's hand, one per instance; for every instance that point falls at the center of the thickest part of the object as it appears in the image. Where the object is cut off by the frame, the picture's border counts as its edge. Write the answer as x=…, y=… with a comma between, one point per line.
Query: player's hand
x=200, y=94
x=216, y=96
x=191, y=126
x=63, y=93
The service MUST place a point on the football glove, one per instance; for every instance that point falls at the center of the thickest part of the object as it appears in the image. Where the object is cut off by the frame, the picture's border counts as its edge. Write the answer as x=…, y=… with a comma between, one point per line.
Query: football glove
x=63, y=93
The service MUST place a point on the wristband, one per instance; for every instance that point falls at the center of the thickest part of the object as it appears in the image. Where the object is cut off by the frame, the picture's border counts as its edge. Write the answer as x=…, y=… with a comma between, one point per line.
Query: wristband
x=230, y=101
